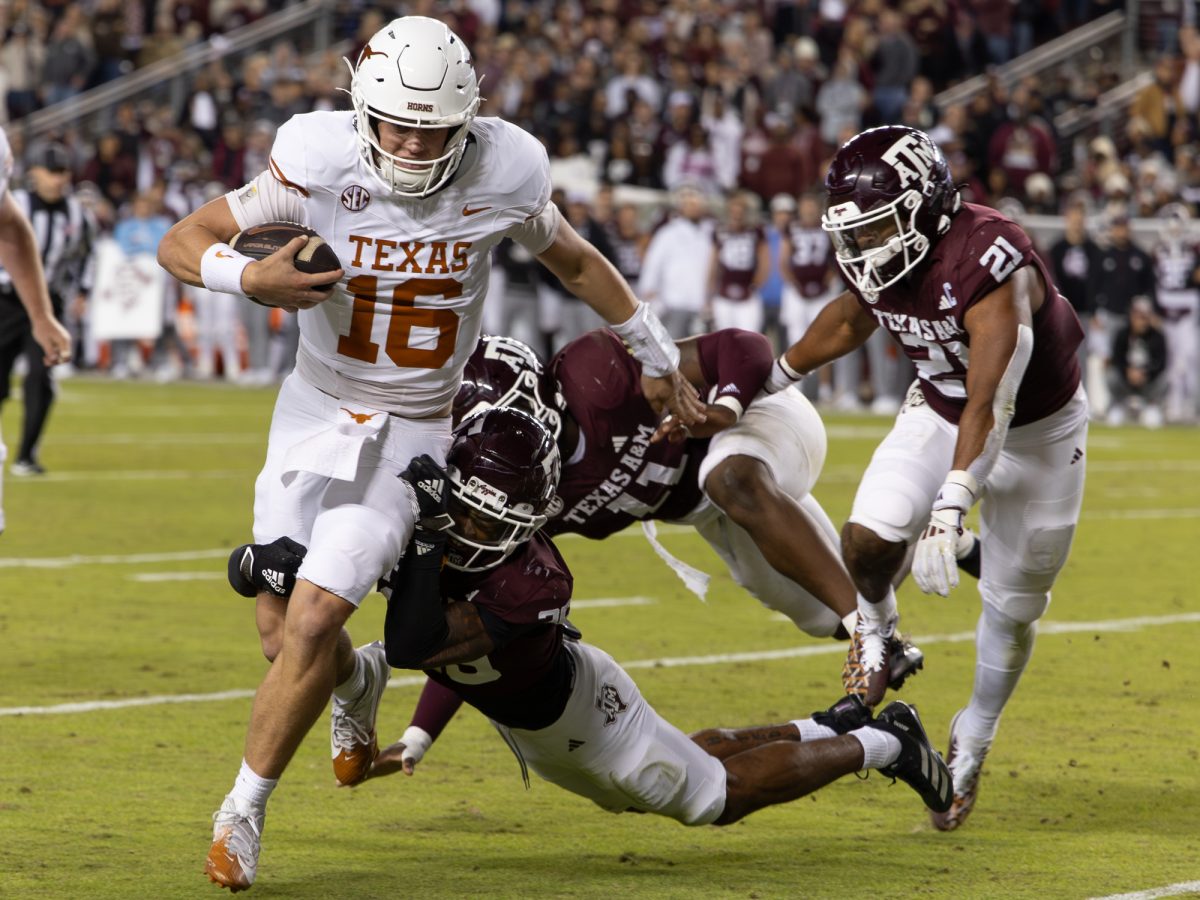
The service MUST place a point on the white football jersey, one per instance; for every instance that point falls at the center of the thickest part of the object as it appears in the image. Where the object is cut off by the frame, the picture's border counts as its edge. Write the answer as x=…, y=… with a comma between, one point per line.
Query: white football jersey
x=6, y=163
x=400, y=326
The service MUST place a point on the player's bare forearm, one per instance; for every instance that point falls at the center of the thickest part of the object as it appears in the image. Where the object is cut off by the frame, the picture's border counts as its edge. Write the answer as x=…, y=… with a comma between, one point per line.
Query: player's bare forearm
x=992, y=325
x=468, y=640
x=20, y=258
x=181, y=248
x=585, y=272
x=840, y=328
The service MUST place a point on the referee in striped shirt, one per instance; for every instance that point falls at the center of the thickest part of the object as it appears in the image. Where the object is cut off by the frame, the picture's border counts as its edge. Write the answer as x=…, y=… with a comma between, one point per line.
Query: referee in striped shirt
x=65, y=234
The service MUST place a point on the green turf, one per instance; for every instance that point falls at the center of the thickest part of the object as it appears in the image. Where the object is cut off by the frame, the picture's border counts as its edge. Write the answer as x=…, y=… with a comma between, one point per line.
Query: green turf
x=1091, y=787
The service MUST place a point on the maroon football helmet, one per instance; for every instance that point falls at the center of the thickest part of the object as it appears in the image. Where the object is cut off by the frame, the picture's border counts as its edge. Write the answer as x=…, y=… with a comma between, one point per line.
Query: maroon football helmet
x=503, y=471
x=890, y=197
x=505, y=372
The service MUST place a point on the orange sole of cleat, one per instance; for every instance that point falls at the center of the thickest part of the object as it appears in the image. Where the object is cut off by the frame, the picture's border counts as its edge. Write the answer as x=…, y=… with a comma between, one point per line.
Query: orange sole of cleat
x=349, y=771
x=225, y=871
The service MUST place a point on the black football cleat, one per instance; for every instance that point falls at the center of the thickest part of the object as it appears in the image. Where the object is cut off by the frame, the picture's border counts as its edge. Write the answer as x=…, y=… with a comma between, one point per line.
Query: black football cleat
x=904, y=659
x=919, y=765
x=844, y=716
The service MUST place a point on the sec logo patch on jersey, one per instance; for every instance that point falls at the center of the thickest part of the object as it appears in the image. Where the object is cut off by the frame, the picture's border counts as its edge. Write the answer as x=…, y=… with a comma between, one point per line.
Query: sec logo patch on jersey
x=355, y=198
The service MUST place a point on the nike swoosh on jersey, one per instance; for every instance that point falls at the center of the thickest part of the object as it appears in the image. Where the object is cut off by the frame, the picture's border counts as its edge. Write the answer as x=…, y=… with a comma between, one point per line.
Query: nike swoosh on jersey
x=467, y=211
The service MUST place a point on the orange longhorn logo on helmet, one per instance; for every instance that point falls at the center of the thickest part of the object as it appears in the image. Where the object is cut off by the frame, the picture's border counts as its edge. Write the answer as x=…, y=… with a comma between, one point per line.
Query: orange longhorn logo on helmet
x=368, y=53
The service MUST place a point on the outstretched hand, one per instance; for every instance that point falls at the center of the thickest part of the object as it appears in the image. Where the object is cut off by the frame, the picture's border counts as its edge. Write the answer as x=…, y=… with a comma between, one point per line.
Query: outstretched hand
x=673, y=393
x=396, y=758
x=717, y=419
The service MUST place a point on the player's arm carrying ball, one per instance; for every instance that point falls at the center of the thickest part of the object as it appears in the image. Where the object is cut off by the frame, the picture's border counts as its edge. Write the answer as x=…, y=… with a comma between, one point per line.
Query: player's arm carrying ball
x=197, y=251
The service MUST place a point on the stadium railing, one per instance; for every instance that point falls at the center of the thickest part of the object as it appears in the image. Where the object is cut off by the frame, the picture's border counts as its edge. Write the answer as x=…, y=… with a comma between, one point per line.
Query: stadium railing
x=309, y=25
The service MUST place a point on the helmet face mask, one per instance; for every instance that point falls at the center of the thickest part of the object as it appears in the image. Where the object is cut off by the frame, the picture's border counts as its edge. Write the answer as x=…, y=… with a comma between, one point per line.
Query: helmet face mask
x=875, y=249
x=890, y=197
x=503, y=371
x=503, y=472
x=414, y=73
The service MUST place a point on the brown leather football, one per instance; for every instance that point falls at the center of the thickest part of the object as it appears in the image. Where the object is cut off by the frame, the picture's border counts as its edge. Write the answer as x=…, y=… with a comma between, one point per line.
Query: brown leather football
x=260, y=241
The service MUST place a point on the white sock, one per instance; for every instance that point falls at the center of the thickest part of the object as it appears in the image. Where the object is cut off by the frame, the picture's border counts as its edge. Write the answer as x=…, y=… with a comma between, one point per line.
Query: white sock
x=813, y=731
x=877, y=614
x=251, y=789
x=879, y=748
x=352, y=687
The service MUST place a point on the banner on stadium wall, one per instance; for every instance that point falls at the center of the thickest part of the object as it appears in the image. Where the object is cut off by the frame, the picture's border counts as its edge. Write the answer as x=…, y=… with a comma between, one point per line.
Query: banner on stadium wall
x=128, y=296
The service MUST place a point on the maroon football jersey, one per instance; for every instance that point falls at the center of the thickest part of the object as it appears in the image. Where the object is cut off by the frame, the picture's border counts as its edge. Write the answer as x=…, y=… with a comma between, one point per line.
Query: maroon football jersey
x=737, y=259
x=526, y=682
x=924, y=314
x=811, y=260
x=619, y=477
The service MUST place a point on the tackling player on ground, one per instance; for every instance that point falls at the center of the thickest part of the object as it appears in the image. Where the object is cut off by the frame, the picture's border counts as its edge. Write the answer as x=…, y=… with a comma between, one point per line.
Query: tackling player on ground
x=747, y=490
x=491, y=629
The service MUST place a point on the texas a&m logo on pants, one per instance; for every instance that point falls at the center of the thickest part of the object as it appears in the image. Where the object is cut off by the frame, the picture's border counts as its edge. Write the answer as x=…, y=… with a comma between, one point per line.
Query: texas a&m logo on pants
x=609, y=702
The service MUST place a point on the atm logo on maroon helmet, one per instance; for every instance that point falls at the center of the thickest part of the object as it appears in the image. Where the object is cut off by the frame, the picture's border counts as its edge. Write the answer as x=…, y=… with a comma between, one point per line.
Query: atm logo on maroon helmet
x=912, y=159
x=355, y=197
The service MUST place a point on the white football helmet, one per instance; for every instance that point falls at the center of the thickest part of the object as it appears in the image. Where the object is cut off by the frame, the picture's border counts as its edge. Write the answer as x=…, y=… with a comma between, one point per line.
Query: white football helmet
x=416, y=73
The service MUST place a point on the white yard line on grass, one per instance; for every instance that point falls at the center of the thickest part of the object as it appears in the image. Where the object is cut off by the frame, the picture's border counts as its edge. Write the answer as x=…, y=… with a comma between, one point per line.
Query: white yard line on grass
x=822, y=649
x=604, y=602
x=1167, y=890
x=151, y=577
x=131, y=475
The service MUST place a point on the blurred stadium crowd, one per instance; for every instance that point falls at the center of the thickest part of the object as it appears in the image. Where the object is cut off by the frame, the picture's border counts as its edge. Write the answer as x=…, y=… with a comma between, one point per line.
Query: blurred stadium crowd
x=655, y=113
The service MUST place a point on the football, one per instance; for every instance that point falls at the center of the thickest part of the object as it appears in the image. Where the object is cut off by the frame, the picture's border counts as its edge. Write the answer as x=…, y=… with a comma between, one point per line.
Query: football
x=315, y=257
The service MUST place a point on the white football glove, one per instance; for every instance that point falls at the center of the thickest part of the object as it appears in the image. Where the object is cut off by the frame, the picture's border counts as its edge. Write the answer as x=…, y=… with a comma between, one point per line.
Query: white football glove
x=935, y=563
x=782, y=376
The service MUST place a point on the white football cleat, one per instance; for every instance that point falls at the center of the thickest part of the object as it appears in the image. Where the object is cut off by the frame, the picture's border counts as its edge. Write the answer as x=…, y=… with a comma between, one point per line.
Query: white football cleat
x=352, y=739
x=233, y=857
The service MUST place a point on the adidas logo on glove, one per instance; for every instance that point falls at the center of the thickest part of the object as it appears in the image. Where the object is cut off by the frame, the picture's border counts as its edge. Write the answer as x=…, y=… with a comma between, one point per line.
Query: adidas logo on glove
x=432, y=487
x=274, y=579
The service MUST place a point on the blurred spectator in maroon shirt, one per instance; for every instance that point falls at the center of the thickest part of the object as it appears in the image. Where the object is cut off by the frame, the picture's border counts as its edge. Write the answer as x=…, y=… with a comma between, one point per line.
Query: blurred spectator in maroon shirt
x=228, y=162
x=787, y=162
x=1019, y=147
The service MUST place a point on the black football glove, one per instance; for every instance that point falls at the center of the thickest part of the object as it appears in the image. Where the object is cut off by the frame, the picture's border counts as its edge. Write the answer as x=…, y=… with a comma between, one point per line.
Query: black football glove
x=266, y=567
x=429, y=483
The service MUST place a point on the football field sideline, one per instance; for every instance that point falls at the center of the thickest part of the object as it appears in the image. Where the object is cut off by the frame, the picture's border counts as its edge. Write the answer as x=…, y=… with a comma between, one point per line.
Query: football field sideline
x=1044, y=629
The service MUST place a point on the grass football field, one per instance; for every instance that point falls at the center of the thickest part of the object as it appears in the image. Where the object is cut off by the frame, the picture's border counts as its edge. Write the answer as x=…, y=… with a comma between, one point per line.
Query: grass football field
x=127, y=668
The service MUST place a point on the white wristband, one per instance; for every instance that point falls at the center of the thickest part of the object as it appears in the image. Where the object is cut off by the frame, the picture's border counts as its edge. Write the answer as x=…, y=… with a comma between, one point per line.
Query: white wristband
x=958, y=491
x=221, y=269
x=787, y=368
x=649, y=341
x=416, y=742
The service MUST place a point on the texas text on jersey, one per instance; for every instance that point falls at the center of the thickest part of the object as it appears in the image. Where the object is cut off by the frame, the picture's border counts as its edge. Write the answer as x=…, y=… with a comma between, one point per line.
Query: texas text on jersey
x=526, y=680
x=924, y=312
x=409, y=311
x=615, y=475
